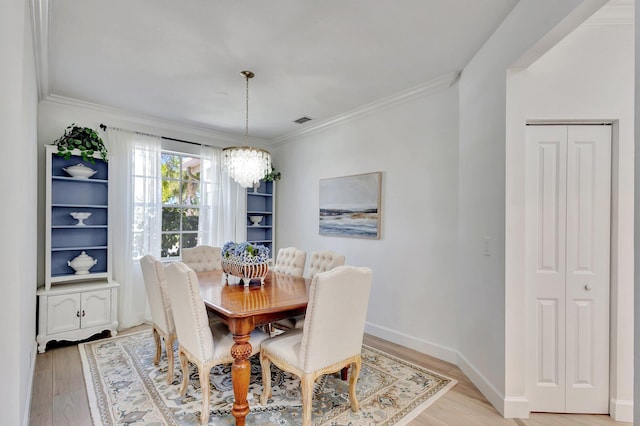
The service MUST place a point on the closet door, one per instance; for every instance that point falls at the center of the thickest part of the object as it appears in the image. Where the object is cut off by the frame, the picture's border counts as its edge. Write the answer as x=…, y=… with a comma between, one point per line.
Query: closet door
x=567, y=257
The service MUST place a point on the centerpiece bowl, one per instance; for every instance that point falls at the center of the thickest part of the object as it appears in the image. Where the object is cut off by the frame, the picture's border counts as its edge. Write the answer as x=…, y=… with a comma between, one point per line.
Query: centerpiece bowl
x=245, y=261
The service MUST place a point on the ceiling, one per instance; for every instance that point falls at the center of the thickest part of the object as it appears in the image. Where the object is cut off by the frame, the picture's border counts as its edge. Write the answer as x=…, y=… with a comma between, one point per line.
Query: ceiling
x=181, y=61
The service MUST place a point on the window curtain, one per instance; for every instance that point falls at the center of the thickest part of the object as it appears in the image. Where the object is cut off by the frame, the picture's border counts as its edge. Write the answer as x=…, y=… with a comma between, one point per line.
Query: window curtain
x=223, y=202
x=135, y=215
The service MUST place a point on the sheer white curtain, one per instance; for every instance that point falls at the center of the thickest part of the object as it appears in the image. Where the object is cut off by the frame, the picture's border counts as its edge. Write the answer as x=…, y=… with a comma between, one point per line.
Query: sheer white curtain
x=223, y=202
x=135, y=215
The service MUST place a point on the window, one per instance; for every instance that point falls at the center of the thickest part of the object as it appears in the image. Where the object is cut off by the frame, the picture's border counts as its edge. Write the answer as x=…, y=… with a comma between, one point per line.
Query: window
x=180, y=202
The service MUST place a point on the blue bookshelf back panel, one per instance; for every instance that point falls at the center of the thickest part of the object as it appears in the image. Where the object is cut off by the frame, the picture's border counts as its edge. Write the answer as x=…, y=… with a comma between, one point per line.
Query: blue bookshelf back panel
x=258, y=234
x=78, y=237
x=59, y=163
x=60, y=216
x=257, y=203
x=79, y=192
x=59, y=261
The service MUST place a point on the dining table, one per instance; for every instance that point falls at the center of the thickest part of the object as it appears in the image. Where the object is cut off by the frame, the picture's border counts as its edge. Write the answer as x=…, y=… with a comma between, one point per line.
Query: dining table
x=245, y=307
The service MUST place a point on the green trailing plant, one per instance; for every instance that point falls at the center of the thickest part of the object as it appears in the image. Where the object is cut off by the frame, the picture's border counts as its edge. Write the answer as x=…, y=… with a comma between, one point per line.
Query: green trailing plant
x=84, y=139
x=272, y=175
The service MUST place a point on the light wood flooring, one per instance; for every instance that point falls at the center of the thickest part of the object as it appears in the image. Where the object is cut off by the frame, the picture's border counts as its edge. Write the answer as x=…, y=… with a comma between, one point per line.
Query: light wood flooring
x=59, y=394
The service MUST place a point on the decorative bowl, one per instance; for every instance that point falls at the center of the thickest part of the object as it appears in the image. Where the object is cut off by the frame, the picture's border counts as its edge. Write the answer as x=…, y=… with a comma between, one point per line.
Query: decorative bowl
x=80, y=171
x=255, y=220
x=82, y=263
x=80, y=217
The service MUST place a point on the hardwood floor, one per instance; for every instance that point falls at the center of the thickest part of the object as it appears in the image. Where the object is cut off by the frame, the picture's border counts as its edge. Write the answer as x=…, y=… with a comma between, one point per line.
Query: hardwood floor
x=59, y=394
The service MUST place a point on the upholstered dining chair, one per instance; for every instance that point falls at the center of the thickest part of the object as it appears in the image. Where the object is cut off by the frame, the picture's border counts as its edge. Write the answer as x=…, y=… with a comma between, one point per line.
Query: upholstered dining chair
x=321, y=261
x=202, y=258
x=330, y=339
x=290, y=260
x=161, y=314
x=200, y=344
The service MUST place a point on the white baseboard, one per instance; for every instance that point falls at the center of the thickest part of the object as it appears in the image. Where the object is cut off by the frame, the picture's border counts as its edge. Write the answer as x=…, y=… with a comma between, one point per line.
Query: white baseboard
x=435, y=350
x=621, y=410
x=493, y=395
x=32, y=370
x=516, y=406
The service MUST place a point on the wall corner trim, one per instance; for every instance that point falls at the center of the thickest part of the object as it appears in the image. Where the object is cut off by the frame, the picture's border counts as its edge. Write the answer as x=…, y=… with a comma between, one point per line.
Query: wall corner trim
x=32, y=371
x=516, y=407
x=621, y=410
x=40, y=16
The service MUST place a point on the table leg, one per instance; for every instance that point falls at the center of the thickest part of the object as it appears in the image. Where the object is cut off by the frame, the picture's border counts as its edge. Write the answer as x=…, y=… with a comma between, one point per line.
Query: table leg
x=240, y=375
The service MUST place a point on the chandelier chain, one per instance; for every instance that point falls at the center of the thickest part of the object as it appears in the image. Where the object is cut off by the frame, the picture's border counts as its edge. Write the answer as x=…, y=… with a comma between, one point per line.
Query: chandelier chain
x=246, y=124
x=245, y=164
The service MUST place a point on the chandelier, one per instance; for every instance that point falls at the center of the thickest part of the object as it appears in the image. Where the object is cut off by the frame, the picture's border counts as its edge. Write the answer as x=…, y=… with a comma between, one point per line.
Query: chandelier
x=245, y=164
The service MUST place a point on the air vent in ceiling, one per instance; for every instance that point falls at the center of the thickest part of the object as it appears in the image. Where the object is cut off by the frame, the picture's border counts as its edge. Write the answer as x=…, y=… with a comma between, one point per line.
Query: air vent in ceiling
x=302, y=120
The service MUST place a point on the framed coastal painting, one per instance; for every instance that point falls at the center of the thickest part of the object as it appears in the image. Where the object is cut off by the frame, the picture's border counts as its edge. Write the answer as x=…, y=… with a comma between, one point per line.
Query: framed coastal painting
x=350, y=206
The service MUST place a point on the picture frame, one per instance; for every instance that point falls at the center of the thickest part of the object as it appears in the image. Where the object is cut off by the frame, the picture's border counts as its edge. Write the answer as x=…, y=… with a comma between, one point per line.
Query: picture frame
x=350, y=206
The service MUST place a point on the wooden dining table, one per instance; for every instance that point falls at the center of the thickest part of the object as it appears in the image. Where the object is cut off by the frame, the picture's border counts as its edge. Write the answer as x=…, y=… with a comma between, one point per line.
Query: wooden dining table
x=243, y=308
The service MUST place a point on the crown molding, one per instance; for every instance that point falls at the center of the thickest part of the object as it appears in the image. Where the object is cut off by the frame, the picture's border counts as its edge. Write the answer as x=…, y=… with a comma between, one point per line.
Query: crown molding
x=153, y=122
x=40, y=18
x=617, y=12
x=443, y=82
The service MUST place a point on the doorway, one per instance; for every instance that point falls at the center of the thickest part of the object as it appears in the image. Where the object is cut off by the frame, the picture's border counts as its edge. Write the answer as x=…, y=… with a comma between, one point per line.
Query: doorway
x=567, y=267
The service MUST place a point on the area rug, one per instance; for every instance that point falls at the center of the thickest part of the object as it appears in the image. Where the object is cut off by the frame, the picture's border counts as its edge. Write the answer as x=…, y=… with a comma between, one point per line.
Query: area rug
x=125, y=388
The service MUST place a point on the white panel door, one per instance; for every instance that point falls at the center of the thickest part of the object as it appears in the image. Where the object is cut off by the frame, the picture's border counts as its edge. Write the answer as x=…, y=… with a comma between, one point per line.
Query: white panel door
x=567, y=267
x=546, y=252
x=588, y=245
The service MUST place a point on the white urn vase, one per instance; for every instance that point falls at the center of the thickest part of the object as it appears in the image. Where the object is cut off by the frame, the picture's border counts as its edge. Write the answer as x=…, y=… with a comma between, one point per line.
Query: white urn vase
x=82, y=263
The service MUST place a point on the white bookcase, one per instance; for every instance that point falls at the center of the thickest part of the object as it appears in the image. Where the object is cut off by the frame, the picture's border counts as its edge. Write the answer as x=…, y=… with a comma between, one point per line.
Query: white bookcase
x=74, y=306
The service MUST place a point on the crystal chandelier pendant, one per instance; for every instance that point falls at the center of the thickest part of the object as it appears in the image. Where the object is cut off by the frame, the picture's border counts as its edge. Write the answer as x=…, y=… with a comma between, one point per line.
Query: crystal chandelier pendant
x=245, y=164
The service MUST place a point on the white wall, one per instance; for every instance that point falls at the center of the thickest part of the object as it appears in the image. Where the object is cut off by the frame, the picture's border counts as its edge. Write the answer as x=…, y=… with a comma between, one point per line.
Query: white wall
x=414, y=145
x=482, y=304
x=19, y=173
x=587, y=76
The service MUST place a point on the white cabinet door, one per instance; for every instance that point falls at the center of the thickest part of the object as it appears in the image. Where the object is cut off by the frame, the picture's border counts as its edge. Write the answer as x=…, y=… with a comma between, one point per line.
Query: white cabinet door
x=96, y=308
x=567, y=257
x=63, y=313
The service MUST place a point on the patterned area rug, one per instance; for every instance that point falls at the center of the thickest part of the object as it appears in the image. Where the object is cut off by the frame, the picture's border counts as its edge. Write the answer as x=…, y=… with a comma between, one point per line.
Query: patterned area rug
x=124, y=387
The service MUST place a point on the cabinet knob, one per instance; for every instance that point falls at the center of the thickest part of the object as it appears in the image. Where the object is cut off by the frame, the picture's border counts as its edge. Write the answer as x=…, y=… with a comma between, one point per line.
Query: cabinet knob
x=83, y=312
x=78, y=314
x=588, y=287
